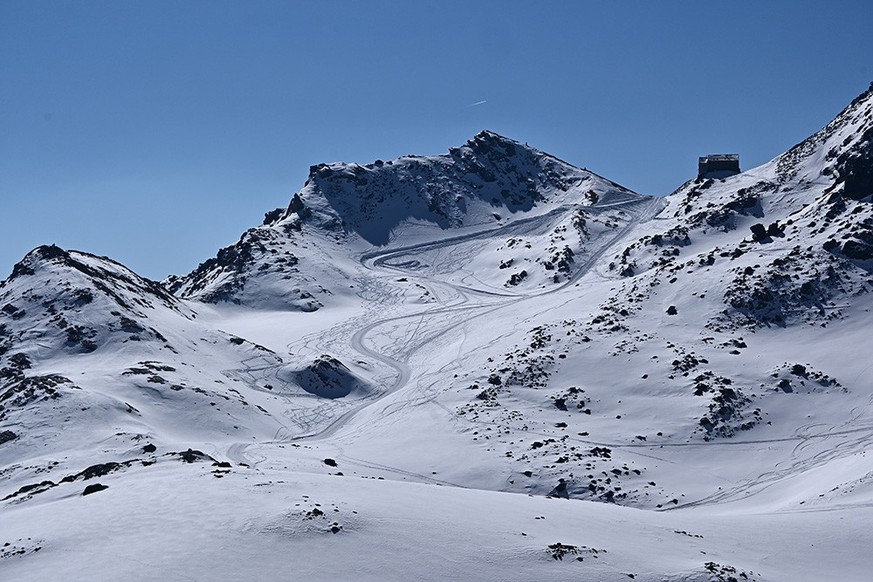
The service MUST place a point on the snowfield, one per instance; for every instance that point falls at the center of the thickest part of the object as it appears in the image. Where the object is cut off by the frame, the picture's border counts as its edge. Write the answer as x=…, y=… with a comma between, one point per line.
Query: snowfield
x=486, y=365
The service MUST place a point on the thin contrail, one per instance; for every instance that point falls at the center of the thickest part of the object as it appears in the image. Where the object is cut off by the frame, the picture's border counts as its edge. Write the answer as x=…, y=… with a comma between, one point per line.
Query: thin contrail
x=478, y=103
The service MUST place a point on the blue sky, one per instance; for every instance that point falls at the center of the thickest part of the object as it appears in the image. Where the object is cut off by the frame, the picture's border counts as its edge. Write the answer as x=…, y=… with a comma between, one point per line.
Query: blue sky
x=156, y=132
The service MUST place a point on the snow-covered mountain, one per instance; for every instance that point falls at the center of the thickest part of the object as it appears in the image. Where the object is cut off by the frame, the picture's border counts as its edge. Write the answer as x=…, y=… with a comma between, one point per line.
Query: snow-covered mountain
x=93, y=351
x=299, y=258
x=488, y=364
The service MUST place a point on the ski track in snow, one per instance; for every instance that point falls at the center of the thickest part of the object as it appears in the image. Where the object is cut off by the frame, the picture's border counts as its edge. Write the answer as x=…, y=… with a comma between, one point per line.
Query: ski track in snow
x=323, y=422
x=327, y=420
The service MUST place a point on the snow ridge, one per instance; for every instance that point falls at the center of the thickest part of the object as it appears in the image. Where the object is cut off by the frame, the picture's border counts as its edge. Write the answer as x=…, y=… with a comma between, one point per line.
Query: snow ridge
x=298, y=258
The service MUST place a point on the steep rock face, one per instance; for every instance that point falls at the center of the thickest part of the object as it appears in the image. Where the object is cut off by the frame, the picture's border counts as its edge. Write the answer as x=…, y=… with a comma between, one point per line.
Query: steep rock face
x=299, y=258
x=488, y=175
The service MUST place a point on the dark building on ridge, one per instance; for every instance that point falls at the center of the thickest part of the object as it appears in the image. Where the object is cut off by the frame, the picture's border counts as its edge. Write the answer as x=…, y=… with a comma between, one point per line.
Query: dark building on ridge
x=718, y=165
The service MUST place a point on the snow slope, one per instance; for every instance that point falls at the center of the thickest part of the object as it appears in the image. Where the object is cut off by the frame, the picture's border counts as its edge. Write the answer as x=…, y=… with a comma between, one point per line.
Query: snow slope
x=366, y=386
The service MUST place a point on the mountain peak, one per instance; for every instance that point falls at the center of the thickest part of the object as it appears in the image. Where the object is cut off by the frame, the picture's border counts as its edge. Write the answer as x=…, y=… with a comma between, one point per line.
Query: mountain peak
x=488, y=136
x=476, y=186
x=487, y=142
x=38, y=255
x=75, y=274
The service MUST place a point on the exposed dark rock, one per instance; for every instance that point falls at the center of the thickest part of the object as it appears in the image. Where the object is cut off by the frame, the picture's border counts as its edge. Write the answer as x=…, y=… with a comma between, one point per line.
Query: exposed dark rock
x=296, y=206
x=99, y=470
x=726, y=414
x=130, y=326
x=273, y=216
x=516, y=278
x=328, y=377
x=858, y=250
x=32, y=489
x=22, y=390
x=20, y=361
x=759, y=232
x=192, y=456
x=559, y=550
x=313, y=513
x=794, y=287
x=774, y=230
x=855, y=168
x=94, y=488
x=47, y=252
x=560, y=490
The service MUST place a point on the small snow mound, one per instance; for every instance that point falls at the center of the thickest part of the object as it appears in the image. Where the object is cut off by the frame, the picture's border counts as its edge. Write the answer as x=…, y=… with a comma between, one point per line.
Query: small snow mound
x=328, y=377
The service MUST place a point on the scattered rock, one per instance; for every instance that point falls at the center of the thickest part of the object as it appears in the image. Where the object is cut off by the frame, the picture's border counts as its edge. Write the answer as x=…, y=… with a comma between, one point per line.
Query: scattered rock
x=99, y=470
x=759, y=232
x=560, y=489
x=192, y=456
x=774, y=230
x=94, y=488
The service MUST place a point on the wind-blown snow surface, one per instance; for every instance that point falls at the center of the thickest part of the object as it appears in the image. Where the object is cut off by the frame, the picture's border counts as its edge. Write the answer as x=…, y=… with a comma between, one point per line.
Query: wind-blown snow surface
x=485, y=365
